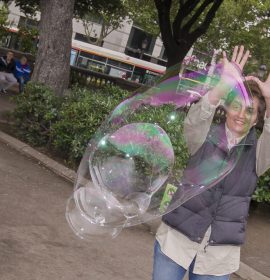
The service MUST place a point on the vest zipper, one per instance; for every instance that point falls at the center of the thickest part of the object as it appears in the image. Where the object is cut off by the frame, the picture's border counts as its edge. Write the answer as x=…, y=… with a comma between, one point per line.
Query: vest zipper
x=207, y=244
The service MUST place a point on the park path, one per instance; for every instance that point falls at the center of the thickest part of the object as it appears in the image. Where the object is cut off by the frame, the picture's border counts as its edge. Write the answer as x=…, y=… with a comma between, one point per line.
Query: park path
x=5, y=104
x=36, y=242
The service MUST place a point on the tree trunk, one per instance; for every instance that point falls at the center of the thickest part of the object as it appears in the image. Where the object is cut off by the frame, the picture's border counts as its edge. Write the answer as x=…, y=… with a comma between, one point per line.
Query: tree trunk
x=174, y=63
x=177, y=54
x=52, y=65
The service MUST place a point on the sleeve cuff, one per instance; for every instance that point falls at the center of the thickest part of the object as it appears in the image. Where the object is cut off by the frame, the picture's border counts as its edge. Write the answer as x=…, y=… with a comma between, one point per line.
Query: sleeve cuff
x=207, y=109
x=206, y=105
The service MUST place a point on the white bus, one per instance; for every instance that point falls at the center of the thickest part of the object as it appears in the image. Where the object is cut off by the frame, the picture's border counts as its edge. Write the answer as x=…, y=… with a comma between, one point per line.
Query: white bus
x=114, y=63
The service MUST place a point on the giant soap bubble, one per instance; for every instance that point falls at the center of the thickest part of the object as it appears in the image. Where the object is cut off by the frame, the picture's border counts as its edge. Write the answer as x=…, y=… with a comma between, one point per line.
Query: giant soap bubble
x=140, y=163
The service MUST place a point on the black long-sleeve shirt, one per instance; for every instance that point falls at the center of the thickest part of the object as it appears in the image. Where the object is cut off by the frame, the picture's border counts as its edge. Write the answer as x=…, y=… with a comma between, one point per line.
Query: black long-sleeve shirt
x=7, y=67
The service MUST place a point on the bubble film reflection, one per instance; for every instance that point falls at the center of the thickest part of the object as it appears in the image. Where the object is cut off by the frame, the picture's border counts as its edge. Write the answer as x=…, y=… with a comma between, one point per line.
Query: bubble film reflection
x=141, y=163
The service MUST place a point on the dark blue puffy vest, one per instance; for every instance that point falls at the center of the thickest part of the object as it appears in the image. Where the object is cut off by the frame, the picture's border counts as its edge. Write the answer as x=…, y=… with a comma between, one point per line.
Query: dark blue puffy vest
x=224, y=206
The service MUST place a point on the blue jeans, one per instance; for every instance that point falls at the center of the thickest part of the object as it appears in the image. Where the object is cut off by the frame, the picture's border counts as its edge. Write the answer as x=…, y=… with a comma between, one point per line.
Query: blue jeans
x=22, y=82
x=167, y=269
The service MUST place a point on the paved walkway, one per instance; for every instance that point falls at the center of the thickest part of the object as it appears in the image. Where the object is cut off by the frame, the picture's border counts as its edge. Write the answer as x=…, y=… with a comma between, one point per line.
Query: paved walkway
x=36, y=242
x=256, y=251
x=5, y=104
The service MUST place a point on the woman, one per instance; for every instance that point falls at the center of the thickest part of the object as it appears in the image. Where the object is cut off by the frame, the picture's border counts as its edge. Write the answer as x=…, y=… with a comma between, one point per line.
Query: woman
x=204, y=234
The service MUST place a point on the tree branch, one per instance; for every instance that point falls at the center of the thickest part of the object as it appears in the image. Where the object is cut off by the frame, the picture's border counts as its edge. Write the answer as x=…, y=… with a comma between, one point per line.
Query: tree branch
x=181, y=3
x=184, y=10
x=197, y=14
x=207, y=21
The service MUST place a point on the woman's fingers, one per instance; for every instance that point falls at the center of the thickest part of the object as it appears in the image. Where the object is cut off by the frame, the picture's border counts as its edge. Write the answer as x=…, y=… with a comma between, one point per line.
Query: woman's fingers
x=244, y=59
x=255, y=79
x=239, y=55
x=251, y=78
x=268, y=78
x=264, y=86
x=235, y=51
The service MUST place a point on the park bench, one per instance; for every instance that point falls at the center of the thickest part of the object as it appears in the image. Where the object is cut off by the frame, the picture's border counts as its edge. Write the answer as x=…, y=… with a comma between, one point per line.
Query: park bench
x=17, y=55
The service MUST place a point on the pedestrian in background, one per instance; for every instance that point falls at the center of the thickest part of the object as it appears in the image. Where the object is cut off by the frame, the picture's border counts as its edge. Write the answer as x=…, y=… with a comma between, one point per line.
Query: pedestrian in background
x=22, y=72
x=7, y=69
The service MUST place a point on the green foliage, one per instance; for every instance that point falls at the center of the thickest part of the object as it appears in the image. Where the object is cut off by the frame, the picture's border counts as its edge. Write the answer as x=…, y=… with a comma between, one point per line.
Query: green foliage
x=67, y=124
x=64, y=124
x=27, y=39
x=36, y=111
x=87, y=109
x=241, y=22
x=111, y=17
x=81, y=7
x=262, y=193
x=144, y=14
x=3, y=20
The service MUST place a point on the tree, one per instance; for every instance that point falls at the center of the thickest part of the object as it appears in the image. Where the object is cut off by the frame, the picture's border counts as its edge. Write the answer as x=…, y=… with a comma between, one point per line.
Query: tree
x=181, y=23
x=239, y=22
x=144, y=14
x=55, y=29
x=111, y=17
x=191, y=21
x=52, y=63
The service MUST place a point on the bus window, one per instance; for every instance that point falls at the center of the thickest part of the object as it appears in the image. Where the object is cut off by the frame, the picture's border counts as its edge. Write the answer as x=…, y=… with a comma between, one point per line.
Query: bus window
x=82, y=62
x=73, y=57
x=138, y=75
x=150, y=78
x=118, y=69
x=93, y=56
x=91, y=61
x=120, y=65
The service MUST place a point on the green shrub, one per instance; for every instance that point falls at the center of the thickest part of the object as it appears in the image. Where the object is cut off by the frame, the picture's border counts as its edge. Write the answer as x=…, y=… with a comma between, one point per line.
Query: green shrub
x=262, y=193
x=80, y=116
x=36, y=111
x=27, y=39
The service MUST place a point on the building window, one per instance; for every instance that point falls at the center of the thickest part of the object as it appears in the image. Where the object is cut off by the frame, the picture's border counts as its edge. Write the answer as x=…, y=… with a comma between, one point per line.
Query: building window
x=140, y=44
x=162, y=59
x=163, y=54
x=28, y=23
x=86, y=39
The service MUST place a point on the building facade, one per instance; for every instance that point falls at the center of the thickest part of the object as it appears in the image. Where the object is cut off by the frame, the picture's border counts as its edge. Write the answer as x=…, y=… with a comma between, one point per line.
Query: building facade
x=129, y=39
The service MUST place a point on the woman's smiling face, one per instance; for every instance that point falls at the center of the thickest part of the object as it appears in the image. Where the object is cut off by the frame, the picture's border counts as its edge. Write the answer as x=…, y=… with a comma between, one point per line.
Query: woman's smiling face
x=242, y=116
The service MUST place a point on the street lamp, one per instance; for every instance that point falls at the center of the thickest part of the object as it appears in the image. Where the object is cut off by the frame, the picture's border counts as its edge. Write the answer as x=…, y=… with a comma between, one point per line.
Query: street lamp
x=261, y=71
x=143, y=47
